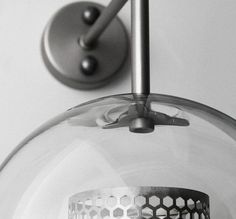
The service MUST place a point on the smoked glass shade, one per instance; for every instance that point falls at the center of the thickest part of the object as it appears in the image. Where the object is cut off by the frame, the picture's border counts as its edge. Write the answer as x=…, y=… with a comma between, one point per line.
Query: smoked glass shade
x=90, y=147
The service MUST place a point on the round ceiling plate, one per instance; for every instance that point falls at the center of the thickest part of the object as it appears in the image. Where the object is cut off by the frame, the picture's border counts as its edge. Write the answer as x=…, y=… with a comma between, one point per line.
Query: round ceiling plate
x=63, y=54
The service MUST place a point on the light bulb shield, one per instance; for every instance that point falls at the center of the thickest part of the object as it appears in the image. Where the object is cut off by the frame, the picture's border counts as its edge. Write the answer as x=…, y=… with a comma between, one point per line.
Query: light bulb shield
x=140, y=202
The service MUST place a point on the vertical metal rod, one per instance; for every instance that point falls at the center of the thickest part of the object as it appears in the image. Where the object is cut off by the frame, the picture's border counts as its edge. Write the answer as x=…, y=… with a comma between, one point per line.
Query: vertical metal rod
x=140, y=47
x=103, y=21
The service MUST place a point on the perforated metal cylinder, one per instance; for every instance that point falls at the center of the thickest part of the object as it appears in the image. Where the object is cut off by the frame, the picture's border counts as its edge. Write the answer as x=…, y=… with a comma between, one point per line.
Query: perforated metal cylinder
x=140, y=202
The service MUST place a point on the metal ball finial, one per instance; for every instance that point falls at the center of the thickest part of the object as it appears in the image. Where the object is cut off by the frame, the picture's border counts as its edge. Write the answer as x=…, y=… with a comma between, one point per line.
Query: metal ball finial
x=90, y=15
x=89, y=65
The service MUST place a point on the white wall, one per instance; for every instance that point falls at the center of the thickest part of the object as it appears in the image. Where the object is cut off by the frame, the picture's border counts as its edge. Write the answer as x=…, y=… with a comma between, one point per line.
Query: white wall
x=193, y=53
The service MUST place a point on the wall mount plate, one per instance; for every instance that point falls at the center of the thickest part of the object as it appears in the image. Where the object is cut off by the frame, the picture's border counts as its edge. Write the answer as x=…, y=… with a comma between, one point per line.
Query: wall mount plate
x=63, y=54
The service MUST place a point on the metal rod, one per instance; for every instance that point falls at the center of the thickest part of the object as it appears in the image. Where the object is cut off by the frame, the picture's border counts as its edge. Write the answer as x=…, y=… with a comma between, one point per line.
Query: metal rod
x=140, y=57
x=103, y=21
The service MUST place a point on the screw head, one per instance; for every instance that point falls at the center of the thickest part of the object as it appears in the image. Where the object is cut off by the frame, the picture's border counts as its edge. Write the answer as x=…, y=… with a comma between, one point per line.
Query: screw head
x=90, y=15
x=89, y=65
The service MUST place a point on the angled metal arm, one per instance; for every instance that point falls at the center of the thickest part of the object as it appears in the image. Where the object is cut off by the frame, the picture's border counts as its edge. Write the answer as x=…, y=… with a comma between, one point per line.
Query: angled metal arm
x=103, y=21
x=140, y=58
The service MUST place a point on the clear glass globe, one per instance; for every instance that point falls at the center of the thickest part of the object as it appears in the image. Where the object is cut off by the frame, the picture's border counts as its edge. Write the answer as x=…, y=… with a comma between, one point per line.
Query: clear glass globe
x=100, y=144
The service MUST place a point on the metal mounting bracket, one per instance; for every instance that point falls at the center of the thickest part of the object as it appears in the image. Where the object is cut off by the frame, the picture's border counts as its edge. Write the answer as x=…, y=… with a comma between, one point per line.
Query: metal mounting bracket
x=71, y=62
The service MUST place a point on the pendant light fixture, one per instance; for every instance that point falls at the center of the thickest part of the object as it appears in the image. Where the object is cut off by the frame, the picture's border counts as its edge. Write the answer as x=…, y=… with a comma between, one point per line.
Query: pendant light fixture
x=137, y=155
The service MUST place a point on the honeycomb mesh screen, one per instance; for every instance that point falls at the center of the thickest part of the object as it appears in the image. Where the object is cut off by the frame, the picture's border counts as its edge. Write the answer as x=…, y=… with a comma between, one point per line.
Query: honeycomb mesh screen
x=140, y=202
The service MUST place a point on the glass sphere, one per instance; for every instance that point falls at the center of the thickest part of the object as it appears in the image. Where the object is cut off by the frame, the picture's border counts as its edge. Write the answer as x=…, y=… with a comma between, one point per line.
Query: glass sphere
x=111, y=142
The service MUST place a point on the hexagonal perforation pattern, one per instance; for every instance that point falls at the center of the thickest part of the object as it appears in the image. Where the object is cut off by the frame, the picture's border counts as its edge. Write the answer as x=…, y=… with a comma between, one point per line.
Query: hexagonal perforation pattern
x=140, y=202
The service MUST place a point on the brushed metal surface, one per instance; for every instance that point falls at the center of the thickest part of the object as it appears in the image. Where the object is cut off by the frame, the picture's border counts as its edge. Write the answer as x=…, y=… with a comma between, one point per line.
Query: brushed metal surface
x=140, y=47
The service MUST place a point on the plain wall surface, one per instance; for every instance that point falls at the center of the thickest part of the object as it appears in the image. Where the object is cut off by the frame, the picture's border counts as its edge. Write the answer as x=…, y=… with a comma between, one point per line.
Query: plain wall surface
x=193, y=55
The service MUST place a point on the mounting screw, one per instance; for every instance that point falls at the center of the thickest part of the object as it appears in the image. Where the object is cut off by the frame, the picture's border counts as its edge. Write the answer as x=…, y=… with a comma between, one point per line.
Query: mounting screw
x=89, y=65
x=90, y=15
